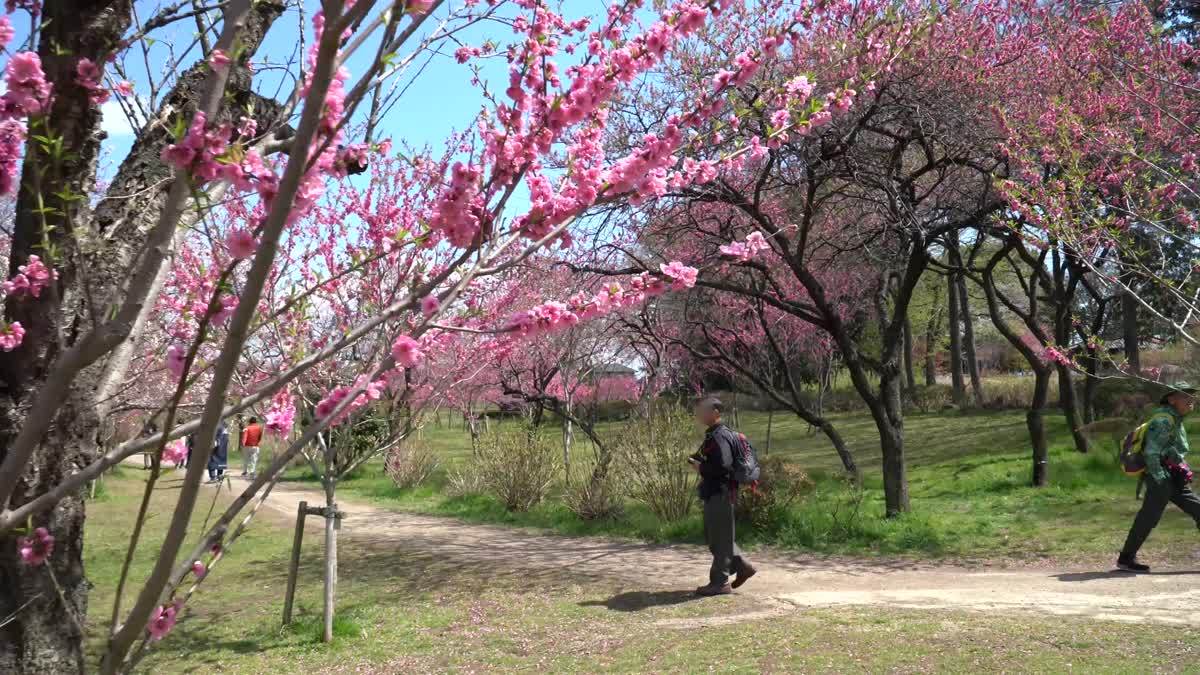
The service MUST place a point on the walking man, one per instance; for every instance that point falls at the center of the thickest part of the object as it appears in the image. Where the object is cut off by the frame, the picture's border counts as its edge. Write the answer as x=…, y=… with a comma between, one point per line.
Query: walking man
x=1167, y=473
x=251, y=437
x=718, y=493
x=220, y=454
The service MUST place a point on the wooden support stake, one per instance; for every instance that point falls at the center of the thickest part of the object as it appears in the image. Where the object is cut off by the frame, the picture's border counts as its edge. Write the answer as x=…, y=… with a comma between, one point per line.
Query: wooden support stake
x=294, y=567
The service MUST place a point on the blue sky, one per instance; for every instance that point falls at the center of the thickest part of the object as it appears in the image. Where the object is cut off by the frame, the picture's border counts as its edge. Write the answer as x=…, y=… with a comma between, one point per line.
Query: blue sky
x=436, y=103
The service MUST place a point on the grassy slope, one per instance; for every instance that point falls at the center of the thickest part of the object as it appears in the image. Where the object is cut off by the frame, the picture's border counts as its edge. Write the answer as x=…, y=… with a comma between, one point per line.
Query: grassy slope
x=409, y=611
x=968, y=481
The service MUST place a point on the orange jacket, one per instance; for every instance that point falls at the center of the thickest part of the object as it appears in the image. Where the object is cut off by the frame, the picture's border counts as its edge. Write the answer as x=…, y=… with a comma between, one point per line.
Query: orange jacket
x=252, y=436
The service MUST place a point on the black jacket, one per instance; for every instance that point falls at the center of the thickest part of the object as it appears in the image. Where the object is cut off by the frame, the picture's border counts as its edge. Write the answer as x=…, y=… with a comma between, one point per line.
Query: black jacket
x=716, y=461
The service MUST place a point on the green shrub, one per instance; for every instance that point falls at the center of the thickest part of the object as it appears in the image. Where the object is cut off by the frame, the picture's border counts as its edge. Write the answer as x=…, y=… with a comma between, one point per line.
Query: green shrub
x=598, y=499
x=410, y=463
x=652, y=461
x=517, y=465
x=781, y=484
x=931, y=398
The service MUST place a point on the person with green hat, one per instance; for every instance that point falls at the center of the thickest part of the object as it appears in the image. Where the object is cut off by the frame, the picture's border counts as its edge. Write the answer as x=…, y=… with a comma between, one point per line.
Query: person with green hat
x=1168, y=477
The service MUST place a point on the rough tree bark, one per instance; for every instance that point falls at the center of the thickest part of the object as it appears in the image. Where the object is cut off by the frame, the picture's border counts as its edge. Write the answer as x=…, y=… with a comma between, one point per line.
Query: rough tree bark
x=43, y=635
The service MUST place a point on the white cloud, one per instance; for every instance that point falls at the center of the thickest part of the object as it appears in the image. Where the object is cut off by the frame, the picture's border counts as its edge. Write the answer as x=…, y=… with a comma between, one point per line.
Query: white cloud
x=113, y=120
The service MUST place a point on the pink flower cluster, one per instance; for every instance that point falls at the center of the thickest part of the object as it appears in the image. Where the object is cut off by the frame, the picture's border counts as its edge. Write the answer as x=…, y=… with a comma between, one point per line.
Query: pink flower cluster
x=12, y=141
x=241, y=243
x=458, y=208
x=30, y=279
x=1054, y=355
x=11, y=336
x=161, y=622
x=372, y=391
x=407, y=352
x=742, y=251
x=36, y=548
x=682, y=277
x=204, y=153
x=28, y=91
x=553, y=315
x=199, y=569
x=175, y=451
x=7, y=32
x=176, y=358
x=89, y=76
x=282, y=413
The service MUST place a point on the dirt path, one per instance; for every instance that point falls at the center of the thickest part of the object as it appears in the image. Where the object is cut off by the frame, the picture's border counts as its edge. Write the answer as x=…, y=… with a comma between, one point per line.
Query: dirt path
x=785, y=581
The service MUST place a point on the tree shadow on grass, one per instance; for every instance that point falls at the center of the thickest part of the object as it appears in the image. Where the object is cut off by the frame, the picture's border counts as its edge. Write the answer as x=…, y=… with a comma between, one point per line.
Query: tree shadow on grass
x=636, y=601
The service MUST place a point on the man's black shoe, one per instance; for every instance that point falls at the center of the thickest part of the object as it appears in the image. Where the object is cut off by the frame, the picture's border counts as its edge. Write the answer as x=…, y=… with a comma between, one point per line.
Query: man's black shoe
x=713, y=589
x=743, y=575
x=1130, y=564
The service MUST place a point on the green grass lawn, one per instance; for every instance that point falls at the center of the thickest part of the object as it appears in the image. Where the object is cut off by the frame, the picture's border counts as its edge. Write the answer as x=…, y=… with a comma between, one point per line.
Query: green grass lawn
x=405, y=611
x=968, y=476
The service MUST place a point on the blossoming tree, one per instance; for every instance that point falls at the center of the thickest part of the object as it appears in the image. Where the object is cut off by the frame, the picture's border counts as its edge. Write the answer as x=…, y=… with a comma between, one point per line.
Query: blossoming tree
x=210, y=239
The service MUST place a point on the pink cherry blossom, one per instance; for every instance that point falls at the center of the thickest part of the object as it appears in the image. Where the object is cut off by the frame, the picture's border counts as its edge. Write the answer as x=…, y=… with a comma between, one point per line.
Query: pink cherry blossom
x=88, y=75
x=681, y=275
x=11, y=336
x=407, y=351
x=31, y=278
x=199, y=569
x=12, y=141
x=430, y=305
x=175, y=451
x=241, y=244
x=36, y=548
x=176, y=358
x=161, y=622
x=28, y=90
x=124, y=88
x=7, y=32
x=219, y=60
x=419, y=6
x=282, y=413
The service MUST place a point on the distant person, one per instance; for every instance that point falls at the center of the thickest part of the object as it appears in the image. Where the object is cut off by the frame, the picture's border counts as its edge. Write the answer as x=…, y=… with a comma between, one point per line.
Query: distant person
x=220, y=454
x=191, y=447
x=1167, y=474
x=718, y=492
x=251, y=437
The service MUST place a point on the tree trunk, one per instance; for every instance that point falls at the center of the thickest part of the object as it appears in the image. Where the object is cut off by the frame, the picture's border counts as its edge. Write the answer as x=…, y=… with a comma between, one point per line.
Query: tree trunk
x=956, y=366
x=1034, y=420
x=932, y=329
x=43, y=635
x=1129, y=329
x=889, y=420
x=331, y=532
x=568, y=435
x=1069, y=403
x=1090, y=383
x=910, y=377
x=770, y=423
x=969, y=351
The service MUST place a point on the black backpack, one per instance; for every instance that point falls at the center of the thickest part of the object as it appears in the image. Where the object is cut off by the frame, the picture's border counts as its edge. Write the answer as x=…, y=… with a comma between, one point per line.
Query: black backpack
x=745, y=462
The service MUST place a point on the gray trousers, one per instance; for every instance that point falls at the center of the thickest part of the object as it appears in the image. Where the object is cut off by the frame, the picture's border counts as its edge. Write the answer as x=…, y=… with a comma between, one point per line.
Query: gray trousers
x=1158, y=495
x=718, y=534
